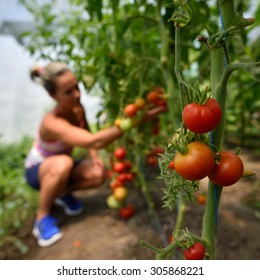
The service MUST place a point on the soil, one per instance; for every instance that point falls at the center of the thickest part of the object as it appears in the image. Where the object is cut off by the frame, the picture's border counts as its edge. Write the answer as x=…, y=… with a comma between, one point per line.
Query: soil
x=99, y=233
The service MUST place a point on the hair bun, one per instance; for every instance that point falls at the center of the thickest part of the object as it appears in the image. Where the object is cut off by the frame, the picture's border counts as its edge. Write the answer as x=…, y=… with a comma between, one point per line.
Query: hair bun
x=36, y=71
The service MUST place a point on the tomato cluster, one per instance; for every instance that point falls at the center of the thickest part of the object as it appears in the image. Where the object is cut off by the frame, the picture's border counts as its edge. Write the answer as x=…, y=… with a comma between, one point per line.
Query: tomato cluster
x=132, y=114
x=156, y=97
x=197, y=160
x=121, y=172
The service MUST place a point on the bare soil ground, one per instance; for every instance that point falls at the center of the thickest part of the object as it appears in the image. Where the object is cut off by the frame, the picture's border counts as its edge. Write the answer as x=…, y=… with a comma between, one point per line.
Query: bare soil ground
x=99, y=234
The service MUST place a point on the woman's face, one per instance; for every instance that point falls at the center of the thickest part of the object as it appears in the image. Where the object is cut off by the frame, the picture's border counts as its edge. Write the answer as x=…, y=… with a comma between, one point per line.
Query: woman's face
x=67, y=91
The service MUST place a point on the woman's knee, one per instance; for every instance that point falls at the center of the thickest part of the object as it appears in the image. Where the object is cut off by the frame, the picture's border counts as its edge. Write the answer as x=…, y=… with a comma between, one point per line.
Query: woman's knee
x=56, y=166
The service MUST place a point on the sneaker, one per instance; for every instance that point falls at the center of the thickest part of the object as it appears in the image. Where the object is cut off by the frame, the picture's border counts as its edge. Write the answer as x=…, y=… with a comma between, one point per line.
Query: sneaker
x=72, y=207
x=46, y=231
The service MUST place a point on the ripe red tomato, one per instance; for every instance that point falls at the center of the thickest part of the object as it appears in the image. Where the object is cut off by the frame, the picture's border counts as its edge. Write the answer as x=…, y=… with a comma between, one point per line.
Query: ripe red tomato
x=123, y=177
x=197, y=163
x=228, y=170
x=195, y=252
x=126, y=212
x=202, y=118
x=152, y=160
x=120, y=153
x=128, y=164
x=153, y=96
x=157, y=150
x=119, y=167
x=171, y=165
x=131, y=110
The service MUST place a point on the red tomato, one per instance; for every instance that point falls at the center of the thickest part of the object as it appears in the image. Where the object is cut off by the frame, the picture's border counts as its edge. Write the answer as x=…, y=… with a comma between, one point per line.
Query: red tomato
x=120, y=153
x=197, y=163
x=126, y=212
x=228, y=170
x=130, y=176
x=158, y=150
x=130, y=110
x=202, y=118
x=195, y=252
x=152, y=160
x=128, y=164
x=153, y=96
x=171, y=165
x=123, y=177
x=119, y=167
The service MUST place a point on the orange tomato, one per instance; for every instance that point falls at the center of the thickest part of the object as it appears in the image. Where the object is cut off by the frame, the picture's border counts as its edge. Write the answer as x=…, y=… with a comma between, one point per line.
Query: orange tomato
x=130, y=110
x=120, y=193
x=140, y=103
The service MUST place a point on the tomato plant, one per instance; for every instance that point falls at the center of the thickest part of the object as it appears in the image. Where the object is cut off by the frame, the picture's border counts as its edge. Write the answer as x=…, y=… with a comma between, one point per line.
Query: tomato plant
x=195, y=252
x=197, y=163
x=228, y=170
x=202, y=118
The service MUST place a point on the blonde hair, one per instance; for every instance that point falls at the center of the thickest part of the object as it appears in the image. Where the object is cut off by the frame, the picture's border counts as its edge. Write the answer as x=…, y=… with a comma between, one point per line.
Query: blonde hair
x=46, y=75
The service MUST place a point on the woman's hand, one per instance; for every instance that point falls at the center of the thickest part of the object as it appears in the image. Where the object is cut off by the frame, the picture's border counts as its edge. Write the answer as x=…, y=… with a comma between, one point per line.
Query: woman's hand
x=152, y=114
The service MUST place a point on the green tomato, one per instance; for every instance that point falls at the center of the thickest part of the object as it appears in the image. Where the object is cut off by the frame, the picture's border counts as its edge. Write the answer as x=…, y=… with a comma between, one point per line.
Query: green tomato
x=126, y=124
x=113, y=203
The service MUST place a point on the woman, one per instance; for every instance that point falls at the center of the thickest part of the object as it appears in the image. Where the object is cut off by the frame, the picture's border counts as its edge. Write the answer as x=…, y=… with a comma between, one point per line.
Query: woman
x=49, y=166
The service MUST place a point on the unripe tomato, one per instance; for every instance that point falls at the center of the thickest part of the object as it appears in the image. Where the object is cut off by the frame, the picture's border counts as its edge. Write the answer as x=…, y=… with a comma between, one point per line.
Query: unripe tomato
x=113, y=203
x=228, y=170
x=197, y=163
x=120, y=153
x=202, y=118
x=130, y=110
x=195, y=252
x=126, y=124
x=120, y=193
x=140, y=103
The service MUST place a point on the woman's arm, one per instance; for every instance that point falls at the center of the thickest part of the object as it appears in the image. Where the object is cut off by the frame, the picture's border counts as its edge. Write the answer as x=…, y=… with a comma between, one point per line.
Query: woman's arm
x=57, y=128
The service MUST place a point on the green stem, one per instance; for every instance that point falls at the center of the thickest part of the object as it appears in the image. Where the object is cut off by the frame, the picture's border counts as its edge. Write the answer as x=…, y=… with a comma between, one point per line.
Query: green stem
x=220, y=74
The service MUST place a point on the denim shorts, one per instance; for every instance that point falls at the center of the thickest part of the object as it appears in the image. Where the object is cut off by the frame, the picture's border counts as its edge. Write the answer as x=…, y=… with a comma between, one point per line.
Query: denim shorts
x=32, y=174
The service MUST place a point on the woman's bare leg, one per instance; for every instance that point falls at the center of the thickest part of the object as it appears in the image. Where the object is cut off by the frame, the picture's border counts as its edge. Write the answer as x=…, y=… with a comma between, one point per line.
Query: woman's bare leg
x=54, y=174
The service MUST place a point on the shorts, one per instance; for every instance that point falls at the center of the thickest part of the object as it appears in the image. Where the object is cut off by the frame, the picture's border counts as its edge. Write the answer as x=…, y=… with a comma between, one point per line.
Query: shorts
x=32, y=174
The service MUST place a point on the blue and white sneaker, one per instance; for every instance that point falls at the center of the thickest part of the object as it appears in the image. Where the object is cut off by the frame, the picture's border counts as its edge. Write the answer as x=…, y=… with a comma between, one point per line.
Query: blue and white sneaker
x=46, y=231
x=71, y=206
